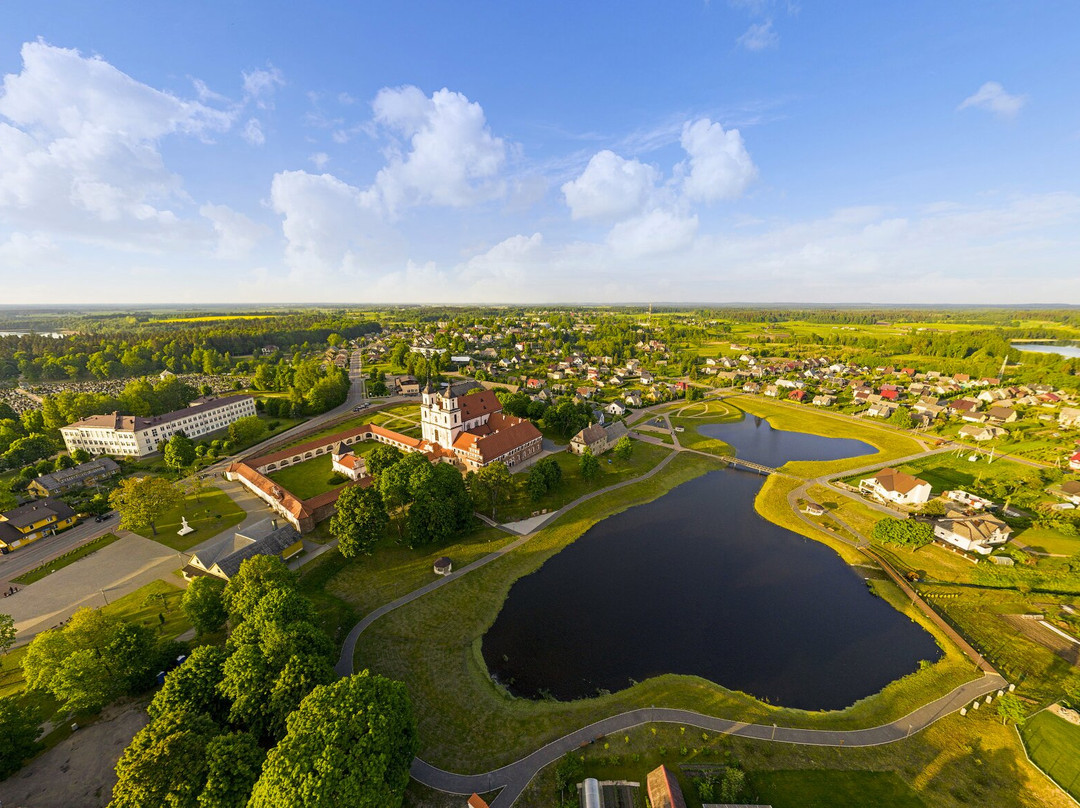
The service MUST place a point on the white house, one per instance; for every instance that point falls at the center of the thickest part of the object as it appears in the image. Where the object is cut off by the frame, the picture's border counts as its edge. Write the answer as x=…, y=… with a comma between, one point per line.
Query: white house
x=977, y=534
x=968, y=500
x=344, y=461
x=615, y=408
x=890, y=485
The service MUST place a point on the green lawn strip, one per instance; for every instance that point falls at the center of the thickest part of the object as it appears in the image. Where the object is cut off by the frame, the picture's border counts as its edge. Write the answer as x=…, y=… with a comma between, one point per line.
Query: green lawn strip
x=1054, y=744
x=308, y=479
x=664, y=437
x=211, y=514
x=1048, y=540
x=146, y=603
x=469, y=724
x=37, y=573
x=772, y=504
x=393, y=570
x=859, y=516
x=956, y=761
x=612, y=471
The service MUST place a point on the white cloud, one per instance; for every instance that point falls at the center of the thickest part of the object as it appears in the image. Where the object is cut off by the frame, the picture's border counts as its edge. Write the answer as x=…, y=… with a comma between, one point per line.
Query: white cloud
x=253, y=132
x=320, y=159
x=719, y=167
x=80, y=154
x=237, y=234
x=993, y=98
x=261, y=85
x=658, y=231
x=759, y=36
x=449, y=156
x=610, y=187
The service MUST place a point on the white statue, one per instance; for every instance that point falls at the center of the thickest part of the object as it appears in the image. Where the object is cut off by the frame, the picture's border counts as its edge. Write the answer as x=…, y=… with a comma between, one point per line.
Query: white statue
x=185, y=528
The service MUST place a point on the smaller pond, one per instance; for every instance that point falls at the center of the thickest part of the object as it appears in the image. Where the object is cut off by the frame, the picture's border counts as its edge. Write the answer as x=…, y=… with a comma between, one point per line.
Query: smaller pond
x=755, y=439
x=1068, y=349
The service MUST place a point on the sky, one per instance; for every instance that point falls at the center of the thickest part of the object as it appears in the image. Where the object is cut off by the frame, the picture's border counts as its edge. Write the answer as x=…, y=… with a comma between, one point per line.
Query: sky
x=539, y=152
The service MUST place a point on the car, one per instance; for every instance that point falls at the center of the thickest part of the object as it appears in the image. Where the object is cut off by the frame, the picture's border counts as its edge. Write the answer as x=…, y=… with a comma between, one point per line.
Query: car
x=106, y=517
x=97, y=518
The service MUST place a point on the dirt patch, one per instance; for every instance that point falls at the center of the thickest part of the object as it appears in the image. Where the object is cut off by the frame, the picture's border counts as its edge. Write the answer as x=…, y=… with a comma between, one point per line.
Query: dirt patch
x=1035, y=632
x=79, y=770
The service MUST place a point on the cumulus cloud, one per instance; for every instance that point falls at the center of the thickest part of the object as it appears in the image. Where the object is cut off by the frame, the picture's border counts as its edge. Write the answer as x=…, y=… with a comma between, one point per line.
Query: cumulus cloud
x=79, y=151
x=237, y=234
x=658, y=231
x=993, y=98
x=759, y=36
x=719, y=166
x=446, y=154
x=320, y=159
x=610, y=187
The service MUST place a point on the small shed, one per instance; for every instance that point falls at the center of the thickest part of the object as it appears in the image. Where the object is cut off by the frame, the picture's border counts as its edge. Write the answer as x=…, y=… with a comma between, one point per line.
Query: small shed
x=813, y=509
x=443, y=566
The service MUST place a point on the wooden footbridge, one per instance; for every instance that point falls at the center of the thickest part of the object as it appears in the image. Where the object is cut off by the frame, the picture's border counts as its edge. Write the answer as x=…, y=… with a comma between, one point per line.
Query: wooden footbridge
x=746, y=464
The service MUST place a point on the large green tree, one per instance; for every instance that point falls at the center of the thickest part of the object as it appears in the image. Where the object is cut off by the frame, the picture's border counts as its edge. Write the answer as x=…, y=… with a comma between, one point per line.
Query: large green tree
x=194, y=686
x=20, y=725
x=179, y=451
x=7, y=633
x=256, y=577
x=359, y=521
x=491, y=485
x=381, y=458
x=589, y=466
x=233, y=763
x=441, y=508
x=204, y=604
x=142, y=501
x=349, y=743
x=248, y=430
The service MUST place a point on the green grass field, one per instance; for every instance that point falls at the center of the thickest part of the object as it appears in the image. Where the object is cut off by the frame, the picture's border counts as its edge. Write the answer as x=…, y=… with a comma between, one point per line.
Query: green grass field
x=211, y=514
x=1054, y=744
x=810, y=788
x=308, y=479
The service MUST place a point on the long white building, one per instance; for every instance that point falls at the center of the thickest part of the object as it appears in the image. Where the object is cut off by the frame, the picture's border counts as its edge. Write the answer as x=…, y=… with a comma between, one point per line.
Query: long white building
x=135, y=436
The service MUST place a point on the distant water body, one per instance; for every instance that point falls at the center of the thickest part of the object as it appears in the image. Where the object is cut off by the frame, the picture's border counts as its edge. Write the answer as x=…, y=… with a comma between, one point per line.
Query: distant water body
x=52, y=334
x=1068, y=349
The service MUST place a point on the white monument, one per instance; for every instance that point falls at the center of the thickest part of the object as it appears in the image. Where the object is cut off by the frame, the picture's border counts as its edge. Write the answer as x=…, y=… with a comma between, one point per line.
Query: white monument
x=185, y=528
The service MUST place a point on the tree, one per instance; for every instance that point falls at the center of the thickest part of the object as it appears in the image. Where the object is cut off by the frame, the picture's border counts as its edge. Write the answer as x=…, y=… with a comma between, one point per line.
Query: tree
x=257, y=576
x=441, y=507
x=536, y=483
x=349, y=743
x=622, y=448
x=80, y=456
x=20, y=725
x=233, y=763
x=491, y=484
x=7, y=633
x=29, y=449
x=248, y=430
x=381, y=458
x=165, y=764
x=63, y=462
x=194, y=686
x=907, y=532
x=397, y=483
x=141, y=501
x=360, y=521
x=204, y=604
x=901, y=418
x=179, y=451
x=588, y=465
x=1010, y=708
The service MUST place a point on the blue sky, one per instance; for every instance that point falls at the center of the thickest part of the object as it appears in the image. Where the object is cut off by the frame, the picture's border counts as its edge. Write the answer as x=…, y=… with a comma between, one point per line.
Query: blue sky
x=539, y=152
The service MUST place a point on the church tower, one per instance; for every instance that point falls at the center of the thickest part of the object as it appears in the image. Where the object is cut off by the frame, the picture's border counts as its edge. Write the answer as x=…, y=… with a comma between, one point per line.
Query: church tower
x=440, y=417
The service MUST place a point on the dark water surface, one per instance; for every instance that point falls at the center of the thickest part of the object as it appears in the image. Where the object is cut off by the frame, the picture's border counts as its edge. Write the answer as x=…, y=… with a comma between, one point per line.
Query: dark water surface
x=697, y=583
x=754, y=439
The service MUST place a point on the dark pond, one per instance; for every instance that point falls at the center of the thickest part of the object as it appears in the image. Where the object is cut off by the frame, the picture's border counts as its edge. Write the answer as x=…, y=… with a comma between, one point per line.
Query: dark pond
x=754, y=439
x=697, y=583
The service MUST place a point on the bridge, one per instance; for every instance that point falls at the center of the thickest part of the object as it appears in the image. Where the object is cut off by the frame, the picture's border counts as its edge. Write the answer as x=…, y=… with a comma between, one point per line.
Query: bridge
x=746, y=464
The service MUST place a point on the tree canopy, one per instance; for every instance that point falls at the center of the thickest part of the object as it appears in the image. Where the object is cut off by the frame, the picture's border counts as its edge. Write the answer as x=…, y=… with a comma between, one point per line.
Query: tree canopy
x=359, y=521
x=142, y=501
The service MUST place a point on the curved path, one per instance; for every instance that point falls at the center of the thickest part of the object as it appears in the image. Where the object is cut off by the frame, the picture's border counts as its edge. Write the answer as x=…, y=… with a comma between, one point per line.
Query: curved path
x=514, y=778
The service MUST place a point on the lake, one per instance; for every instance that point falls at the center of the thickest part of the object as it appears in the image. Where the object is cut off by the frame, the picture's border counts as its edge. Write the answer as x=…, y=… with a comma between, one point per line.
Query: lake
x=52, y=334
x=753, y=438
x=696, y=582
x=1067, y=349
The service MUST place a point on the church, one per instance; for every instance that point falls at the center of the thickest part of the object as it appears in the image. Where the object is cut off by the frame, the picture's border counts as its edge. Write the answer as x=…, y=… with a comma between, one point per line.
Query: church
x=467, y=422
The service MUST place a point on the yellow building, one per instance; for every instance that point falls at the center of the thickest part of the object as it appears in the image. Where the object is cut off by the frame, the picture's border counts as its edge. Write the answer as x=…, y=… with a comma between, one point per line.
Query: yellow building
x=34, y=521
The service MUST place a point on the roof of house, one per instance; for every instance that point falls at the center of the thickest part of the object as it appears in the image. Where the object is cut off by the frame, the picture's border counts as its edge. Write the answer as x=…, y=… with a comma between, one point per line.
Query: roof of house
x=1071, y=487
x=664, y=791
x=273, y=539
x=478, y=404
x=893, y=480
x=135, y=423
x=31, y=512
x=476, y=801
x=103, y=466
x=974, y=528
x=504, y=433
x=590, y=434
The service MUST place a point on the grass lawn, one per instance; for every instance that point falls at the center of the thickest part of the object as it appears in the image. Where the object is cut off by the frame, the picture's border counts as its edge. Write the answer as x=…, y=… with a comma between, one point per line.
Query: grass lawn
x=573, y=485
x=211, y=514
x=145, y=604
x=397, y=417
x=37, y=573
x=1049, y=540
x=467, y=723
x=946, y=471
x=1054, y=744
x=663, y=437
x=308, y=479
x=955, y=762
x=849, y=511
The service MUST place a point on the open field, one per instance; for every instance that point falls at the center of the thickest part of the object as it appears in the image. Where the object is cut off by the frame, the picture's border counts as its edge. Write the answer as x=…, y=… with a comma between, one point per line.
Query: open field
x=467, y=722
x=212, y=513
x=1054, y=744
x=310, y=478
x=954, y=763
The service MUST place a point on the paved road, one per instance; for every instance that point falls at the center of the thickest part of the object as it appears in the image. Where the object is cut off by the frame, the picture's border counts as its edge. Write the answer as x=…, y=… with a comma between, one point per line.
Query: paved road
x=34, y=555
x=513, y=778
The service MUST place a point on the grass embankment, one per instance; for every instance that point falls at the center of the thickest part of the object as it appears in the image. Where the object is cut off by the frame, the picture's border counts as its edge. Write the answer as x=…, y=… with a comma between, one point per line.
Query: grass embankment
x=37, y=573
x=954, y=762
x=467, y=723
x=688, y=416
x=1054, y=744
x=612, y=471
x=212, y=513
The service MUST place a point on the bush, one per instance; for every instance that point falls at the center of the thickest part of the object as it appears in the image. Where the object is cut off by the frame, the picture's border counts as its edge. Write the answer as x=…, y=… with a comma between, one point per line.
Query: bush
x=905, y=532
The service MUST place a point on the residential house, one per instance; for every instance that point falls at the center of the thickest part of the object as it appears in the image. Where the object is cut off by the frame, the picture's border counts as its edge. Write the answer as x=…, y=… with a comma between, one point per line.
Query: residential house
x=980, y=432
x=824, y=401
x=34, y=521
x=1069, y=417
x=632, y=400
x=880, y=410
x=1068, y=491
x=615, y=408
x=977, y=534
x=664, y=790
x=890, y=485
x=1002, y=415
x=223, y=560
x=597, y=438
x=1074, y=462
x=60, y=482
